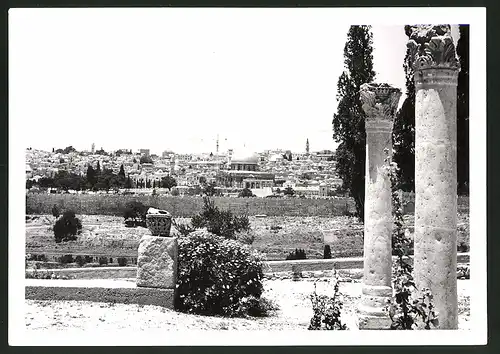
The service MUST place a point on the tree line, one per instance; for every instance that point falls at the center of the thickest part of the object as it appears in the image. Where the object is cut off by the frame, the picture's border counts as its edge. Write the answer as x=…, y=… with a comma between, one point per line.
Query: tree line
x=97, y=179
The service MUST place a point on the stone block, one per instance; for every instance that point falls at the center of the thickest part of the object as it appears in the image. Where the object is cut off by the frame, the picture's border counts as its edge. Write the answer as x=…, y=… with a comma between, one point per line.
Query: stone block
x=159, y=222
x=157, y=262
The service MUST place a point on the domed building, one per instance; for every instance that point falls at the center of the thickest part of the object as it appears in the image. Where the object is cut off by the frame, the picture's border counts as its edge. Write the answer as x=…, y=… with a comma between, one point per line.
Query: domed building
x=244, y=172
x=244, y=161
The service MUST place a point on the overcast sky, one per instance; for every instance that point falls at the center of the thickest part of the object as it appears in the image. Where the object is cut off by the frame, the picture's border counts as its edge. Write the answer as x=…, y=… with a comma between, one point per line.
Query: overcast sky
x=176, y=78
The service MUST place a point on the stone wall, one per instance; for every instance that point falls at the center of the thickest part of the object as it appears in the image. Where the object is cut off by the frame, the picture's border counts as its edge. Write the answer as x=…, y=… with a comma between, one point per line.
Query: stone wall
x=187, y=206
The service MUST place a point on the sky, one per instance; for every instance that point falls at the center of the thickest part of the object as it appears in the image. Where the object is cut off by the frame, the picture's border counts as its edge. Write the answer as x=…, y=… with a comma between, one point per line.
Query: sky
x=175, y=79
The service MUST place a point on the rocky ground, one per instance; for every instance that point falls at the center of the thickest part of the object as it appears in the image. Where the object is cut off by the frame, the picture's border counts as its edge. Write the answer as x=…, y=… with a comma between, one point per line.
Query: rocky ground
x=274, y=236
x=292, y=298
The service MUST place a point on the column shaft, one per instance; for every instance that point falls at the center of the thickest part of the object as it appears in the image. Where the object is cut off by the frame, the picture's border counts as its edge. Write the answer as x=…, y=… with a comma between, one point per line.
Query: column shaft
x=379, y=103
x=436, y=190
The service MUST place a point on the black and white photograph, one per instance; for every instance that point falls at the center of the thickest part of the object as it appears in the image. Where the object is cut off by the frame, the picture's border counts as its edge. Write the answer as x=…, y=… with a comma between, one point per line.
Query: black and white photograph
x=312, y=176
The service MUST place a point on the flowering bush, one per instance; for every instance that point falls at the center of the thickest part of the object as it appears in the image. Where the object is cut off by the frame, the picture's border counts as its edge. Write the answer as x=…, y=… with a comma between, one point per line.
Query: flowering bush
x=327, y=309
x=217, y=276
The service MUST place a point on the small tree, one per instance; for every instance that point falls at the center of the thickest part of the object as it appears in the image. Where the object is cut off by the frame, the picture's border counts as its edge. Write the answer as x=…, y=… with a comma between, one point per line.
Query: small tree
x=245, y=193
x=216, y=221
x=128, y=183
x=327, y=252
x=209, y=189
x=55, y=211
x=135, y=214
x=168, y=182
x=67, y=227
x=289, y=191
x=297, y=254
x=145, y=159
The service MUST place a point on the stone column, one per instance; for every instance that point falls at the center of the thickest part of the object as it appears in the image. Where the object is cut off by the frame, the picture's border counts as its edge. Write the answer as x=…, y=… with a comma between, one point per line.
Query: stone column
x=380, y=102
x=436, y=73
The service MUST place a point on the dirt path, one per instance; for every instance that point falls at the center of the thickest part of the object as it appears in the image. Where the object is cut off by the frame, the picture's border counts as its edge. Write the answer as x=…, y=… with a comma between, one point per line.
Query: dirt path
x=292, y=298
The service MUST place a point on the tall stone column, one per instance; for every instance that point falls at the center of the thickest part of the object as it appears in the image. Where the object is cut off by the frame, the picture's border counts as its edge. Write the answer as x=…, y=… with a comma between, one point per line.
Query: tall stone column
x=436, y=70
x=380, y=102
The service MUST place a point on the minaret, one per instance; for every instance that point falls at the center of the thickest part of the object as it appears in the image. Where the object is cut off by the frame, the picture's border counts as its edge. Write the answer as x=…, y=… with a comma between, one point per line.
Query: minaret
x=307, y=146
x=217, y=145
x=93, y=148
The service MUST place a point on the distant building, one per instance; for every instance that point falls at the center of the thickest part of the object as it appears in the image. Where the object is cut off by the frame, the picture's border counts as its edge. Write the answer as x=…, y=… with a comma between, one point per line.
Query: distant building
x=323, y=189
x=325, y=155
x=144, y=152
x=243, y=173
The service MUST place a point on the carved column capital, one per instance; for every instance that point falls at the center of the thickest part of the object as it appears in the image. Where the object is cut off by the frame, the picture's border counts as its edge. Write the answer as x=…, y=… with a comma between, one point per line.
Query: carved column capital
x=379, y=101
x=431, y=47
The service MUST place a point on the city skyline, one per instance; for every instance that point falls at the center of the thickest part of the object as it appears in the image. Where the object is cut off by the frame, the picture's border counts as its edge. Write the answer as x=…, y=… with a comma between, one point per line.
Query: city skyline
x=163, y=84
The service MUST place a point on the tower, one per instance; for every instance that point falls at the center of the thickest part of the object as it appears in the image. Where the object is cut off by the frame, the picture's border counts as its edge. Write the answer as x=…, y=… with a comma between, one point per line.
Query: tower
x=93, y=148
x=217, y=145
x=307, y=146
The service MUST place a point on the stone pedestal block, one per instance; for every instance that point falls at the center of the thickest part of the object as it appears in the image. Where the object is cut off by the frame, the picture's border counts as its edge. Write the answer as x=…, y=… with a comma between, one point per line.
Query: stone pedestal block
x=436, y=73
x=157, y=262
x=379, y=103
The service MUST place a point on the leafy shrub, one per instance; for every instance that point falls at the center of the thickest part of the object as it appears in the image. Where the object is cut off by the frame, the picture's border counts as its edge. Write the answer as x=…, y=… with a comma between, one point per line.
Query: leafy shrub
x=327, y=252
x=407, y=309
x=327, y=309
x=122, y=261
x=296, y=273
x=37, y=257
x=175, y=192
x=135, y=214
x=463, y=247
x=55, y=211
x=80, y=261
x=216, y=221
x=246, y=237
x=297, y=254
x=257, y=307
x=289, y=191
x=217, y=276
x=103, y=260
x=67, y=258
x=67, y=227
x=89, y=259
x=245, y=193
x=45, y=274
x=463, y=272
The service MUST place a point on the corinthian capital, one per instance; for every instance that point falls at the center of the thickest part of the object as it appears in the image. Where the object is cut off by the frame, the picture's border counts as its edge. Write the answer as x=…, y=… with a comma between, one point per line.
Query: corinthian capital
x=431, y=46
x=379, y=101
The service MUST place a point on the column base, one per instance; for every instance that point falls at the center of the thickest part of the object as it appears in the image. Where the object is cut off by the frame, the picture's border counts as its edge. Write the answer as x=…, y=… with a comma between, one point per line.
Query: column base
x=371, y=310
x=367, y=322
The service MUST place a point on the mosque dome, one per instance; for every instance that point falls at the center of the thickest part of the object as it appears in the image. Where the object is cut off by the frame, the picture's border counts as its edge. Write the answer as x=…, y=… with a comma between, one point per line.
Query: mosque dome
x=245, y=157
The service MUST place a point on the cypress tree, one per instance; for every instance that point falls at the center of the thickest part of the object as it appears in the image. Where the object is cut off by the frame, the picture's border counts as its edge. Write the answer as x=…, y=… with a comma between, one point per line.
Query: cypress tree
x=403, y=134
x=349, y=121
x=463, y=112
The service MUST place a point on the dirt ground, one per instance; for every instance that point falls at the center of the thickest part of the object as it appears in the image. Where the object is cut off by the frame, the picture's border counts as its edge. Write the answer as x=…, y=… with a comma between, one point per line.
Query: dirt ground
x=292, y=298
x=274, y=236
